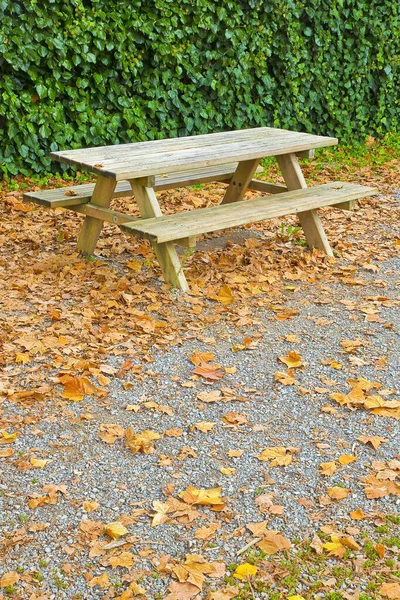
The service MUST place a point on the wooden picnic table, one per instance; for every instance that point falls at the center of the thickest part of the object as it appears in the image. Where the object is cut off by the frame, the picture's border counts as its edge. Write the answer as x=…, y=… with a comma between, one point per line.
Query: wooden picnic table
x=144, y=167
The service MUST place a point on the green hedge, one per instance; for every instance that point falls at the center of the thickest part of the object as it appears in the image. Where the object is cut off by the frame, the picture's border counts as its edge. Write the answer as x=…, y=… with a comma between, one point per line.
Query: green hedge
x=77, y=73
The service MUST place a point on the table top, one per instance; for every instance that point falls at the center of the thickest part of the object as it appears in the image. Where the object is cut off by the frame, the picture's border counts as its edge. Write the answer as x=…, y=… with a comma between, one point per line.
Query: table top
x=141, y=159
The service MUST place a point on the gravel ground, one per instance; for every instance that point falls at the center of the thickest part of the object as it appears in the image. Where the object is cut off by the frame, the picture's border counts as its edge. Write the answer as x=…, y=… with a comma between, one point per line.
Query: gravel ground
x=277, y=415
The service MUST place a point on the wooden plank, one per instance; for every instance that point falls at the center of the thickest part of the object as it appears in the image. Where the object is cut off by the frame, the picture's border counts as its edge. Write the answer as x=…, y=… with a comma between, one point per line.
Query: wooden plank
x=267, y=187
x=91, y=228
x=350, y=205
x=240, y=181
x=165, y=252
x=139, y=162
x=309, y=220
x=206, y=220
x=306, y=154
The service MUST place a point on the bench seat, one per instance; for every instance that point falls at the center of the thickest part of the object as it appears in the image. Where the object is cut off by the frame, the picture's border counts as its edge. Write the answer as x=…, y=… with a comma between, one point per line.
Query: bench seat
x=206, y=220
x=75, y=195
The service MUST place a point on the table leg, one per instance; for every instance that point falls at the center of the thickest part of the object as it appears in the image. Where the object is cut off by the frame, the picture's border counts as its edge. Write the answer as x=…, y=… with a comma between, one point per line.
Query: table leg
x=91, y=228
x=166, y=254
x=309, y=220
x=240, y=181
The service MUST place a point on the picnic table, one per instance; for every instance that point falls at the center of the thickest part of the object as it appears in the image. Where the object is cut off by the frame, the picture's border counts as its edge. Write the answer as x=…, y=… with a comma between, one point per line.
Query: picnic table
x=233, y=157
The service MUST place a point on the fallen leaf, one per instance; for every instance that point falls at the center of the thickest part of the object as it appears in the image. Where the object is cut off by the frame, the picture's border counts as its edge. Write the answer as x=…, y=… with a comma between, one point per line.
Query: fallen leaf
x=273, y=542
x=328, y=468
x=337, y=492
x=278, y=455
x=115, y=530
x=374, y=440
x=225, y=295
x=8, y=579
x=292, y=360
x=358, y=514
x=211, y=496
x=390, y=590
x=346, y=459
x=90, y=506
x=245, y=571
x=141, y=442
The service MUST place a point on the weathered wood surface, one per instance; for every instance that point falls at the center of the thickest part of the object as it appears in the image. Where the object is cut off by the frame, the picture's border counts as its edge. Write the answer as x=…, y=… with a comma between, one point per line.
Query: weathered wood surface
x=89, y=234
x=267, y=187
x=166, y=254
x=79, y=194
x=205, y=220
x=240, y=181
x=132, y=161
x=309, y=220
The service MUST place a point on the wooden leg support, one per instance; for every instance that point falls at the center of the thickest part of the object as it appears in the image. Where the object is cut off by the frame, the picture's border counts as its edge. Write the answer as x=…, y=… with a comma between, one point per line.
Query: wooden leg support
x=309, y=220
x=349, y=205
x=91, y=228
x=166, y=254
x=240, y=181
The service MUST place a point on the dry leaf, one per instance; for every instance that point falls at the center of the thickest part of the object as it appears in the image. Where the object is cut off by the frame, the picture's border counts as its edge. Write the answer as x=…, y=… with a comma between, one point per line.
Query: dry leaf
x=390, y=590
x=273, y=542
x=292, y=360
x=225, y=295
x=358, y=514
x=346, y=459
x=211, y=496
x=141, y=442
x=374, y=440
x=328, y=468
x=337, y=492
x=278, y=455
x=115, y=530
x=245, y=571
x=8, y=579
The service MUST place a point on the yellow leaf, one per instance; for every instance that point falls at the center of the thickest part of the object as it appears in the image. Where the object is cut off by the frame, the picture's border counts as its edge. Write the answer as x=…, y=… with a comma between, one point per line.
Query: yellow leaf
x=380, y=550
x=201, y=357
x=115, y=530
x=235, y=453
x=225, y=295
x=75, y=388
x=193, y=495
x=23, y=358
x=328, y=468
x=296, y=597
x=277, y=455
x=39, y=463
x=135, y=265
x=346, y=459
x=193, y=570
x=335, y=365
x=292, y=360
x=125, y=559
x=228, y=471
x=337, y=492
x=358, y=514
x=90, y=506
x=9, y=578
x=9, y=436
x=273, y=542
x=245, y=571
x=335, y=547
x=141, y=442
x=203, y=426
x=102, y=581
x=374, y=440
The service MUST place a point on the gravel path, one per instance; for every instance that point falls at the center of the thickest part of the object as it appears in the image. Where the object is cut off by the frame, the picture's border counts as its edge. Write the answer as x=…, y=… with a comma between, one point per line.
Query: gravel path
x=47, y=541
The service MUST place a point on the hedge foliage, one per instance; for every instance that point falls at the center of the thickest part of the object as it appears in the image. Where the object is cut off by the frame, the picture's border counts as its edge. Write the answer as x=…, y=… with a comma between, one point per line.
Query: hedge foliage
x=76, y=73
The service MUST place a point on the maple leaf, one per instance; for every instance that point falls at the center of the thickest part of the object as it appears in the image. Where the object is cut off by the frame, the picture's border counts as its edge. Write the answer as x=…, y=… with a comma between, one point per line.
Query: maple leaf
x=203, y=426
x=76, y=388
x=358, y=514
x=201, y=357
x=181, y=591
x=285, y=378
x=193, y=570
x=141, y=442
x=328, y=468
x=8, y=579
x=6, y=452
x=101, y=580
x=90, y=506
x=38, y=463
x=278, y=455
x=209, y=371
x=337, y=492
x=335, y=547
x=292, y=360
x=273, y=542
x=210, y=497
x=245, y=571
x=374, y=440
x=205, y=533
x=115, y=530
x=225, y=295
x=228, y=470
x=213, y=396
x=110, y=432
x=125, y=559
x=346, y=459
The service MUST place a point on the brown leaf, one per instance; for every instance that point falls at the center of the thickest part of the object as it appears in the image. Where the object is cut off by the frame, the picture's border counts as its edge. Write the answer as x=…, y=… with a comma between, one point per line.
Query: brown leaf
x=390, y=590
x=141, y=442
x=273, y=542
x=337, y=492
x=8, y=579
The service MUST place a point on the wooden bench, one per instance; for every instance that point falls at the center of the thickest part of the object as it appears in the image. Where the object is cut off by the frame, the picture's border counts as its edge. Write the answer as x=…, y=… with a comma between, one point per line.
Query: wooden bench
x=174, y=227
